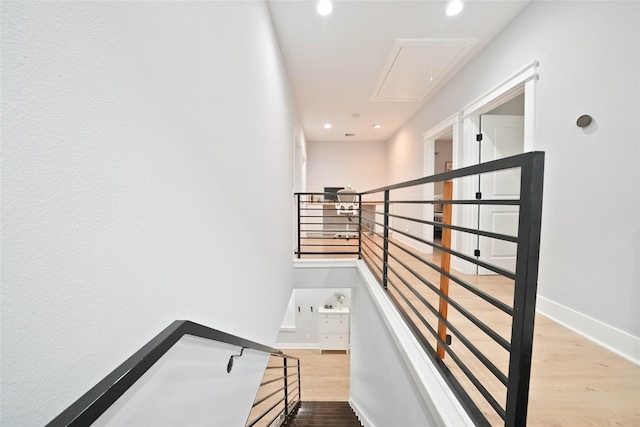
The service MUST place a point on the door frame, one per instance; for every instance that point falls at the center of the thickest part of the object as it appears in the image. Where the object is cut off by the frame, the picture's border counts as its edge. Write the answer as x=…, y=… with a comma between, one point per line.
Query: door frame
x=429, y=138
x=522, y=81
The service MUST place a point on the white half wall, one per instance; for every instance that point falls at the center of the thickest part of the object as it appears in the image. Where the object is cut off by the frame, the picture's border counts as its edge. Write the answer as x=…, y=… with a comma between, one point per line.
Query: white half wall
x=393, y=381
x=589, y=63
x=138, y=142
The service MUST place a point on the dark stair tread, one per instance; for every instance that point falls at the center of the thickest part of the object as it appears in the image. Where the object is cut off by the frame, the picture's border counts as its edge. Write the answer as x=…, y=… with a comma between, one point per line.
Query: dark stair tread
x=323, y=423
x=320, y=413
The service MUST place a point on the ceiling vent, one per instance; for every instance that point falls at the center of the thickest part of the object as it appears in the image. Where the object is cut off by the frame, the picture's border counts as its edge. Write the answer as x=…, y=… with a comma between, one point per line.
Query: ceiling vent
x=414, y=68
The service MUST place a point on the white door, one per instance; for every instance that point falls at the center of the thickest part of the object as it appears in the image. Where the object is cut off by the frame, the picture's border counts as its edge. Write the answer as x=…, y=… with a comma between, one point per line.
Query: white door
x=502, y=136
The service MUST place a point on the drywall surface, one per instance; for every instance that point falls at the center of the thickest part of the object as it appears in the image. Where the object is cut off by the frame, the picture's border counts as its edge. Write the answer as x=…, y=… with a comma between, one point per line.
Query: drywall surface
x=588, y=54
x=363, y=164
x=393, y=382
x=190, y=386
x=138, y=144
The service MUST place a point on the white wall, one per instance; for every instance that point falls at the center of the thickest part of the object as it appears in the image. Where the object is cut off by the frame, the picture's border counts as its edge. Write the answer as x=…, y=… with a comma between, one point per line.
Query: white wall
x=589, y=64
x=138, y=141
x=382, y=387
x=363, y=164
x=190, y=386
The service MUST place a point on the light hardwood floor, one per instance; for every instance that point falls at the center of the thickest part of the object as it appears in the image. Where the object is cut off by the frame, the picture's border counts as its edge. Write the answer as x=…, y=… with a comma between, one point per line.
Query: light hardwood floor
x=574, y=382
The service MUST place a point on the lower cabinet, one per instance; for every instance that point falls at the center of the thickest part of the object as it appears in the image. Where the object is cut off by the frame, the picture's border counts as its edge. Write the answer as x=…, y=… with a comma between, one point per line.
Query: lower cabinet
x=334, y=329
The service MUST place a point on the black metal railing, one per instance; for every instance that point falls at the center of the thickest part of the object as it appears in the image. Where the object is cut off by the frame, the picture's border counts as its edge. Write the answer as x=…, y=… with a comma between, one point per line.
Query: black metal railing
x=279, y=393
x=478, y=326
x=90, y=406
x=322, y=230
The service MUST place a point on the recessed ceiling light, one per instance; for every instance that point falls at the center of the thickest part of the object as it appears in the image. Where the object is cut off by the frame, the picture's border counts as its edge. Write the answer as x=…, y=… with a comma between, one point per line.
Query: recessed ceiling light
x=454, y=7
x=324, y=7
x=377, y=126
x=327, y=125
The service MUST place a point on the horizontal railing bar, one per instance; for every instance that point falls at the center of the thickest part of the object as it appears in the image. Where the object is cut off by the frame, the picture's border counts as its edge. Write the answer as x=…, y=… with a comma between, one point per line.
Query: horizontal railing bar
x=267, y=397
x=453, y=381
x=271, y=381
x=474, y=380
x=265, y=413
x=485, y=296
x=483, y=391
x=346, y=245
x=492, y=202
x=369, y=239
x=477, y=262
x=504, y=237
x=276, y=417
x=492, y=166
x=327, y=253
x=315, y=193
x=473, y=319
x=370, y=253
x=293, y=391
x=286, y=356
x=329, y=236
x=372, y=264
x=378, y=223
x=353, y=217
x=378, y=256
x=414, y=309
x=479, y=355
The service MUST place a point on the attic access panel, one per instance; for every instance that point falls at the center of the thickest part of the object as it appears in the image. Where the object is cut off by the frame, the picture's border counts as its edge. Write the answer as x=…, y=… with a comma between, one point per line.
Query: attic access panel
x=414, y=68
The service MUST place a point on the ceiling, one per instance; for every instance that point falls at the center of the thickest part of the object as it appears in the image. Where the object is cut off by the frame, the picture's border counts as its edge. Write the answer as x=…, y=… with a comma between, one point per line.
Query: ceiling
x=379, y=60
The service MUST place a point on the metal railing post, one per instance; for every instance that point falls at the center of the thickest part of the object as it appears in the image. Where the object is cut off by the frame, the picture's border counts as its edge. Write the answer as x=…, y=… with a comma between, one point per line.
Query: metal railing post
x=286, y=390
x=299, y=240
x=359, y=226
x=299, y=383
x=385, y=250
x=524, y=300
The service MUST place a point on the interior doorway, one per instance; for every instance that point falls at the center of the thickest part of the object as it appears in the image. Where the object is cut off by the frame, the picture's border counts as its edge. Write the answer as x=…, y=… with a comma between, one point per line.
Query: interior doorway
x=502, y=136
x=445, y=135
x=515, y=96
x=443, y=161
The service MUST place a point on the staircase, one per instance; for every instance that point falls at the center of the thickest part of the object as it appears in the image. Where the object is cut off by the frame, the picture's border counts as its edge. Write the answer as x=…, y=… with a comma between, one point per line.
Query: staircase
x=334, y=414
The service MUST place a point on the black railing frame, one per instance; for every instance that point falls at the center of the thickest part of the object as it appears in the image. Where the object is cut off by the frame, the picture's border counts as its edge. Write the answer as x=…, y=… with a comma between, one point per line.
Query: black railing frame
x=525, y=278
x=91, y=405
x=298, y=200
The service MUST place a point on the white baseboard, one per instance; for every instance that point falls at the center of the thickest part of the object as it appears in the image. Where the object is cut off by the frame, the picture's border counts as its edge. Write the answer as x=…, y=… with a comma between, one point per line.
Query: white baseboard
x=613, y=339
x=360, y=414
